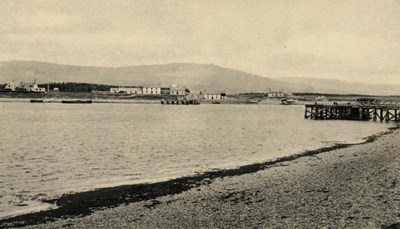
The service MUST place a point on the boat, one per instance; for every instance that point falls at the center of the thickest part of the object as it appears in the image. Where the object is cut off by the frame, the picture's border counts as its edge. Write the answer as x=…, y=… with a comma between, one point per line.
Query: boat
x=288, y=101
x=369, y=101
x=77, y=101
x=42, y=100
x=37, y=101
x=320, y=99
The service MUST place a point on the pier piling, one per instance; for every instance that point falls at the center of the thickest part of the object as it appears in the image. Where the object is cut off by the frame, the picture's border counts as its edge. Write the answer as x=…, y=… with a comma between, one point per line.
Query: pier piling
x=381, y=113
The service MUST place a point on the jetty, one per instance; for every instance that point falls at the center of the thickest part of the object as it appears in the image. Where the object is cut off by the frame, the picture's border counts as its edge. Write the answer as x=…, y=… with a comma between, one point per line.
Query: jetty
x=363, y=112
x=77, y=101
x=180, y=102
x=42, y=100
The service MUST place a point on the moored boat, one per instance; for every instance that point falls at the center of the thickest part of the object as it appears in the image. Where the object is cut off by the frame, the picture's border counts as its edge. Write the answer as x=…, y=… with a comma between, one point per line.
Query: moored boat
x=37, y=101
x=288, y=101
x=77, y=101
x=42, y=100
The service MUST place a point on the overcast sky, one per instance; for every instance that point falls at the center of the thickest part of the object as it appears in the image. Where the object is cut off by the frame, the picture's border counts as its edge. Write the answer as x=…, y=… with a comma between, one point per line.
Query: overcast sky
x=342, y=39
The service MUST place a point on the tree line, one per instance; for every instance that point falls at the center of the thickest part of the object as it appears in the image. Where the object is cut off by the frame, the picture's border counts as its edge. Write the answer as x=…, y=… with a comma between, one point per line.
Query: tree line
x=77, y=87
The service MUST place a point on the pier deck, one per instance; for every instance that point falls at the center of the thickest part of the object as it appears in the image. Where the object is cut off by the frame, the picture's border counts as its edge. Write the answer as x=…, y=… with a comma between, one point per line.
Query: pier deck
x=385, y=112
x=181, y=101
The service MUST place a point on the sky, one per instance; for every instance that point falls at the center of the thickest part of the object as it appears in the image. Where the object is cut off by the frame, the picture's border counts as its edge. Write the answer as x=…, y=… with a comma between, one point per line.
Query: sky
x=352, y=40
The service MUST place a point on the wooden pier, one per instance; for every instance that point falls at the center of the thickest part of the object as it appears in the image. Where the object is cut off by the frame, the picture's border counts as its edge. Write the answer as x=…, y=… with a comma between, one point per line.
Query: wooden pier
x=353, y=112
x=180, y=102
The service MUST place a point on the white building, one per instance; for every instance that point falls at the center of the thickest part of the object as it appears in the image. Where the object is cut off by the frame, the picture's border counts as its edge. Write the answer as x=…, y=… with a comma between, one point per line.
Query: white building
x=276, y=94
x=25, y=87
x=213, y=95
x=36, y=88
x=151, y=90
x=127, y=90
x=177, y=90
x=11, y=86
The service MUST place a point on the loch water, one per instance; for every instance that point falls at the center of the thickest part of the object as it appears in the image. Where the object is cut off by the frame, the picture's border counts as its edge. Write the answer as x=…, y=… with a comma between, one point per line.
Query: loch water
x=47, y=150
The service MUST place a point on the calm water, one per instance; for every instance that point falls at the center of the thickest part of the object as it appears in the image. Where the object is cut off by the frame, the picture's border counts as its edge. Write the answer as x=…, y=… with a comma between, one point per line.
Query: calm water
x=50, y=149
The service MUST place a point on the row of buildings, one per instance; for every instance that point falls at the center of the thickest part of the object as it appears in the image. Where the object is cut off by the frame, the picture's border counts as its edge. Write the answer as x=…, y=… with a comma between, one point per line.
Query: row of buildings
x=277, y=94
x=143, y=90
x=24, y=87
x=171, y=90
x=152, y=90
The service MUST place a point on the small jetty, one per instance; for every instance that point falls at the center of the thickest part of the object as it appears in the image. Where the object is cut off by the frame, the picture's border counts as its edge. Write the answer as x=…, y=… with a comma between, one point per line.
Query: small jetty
x=77, y=101
x=180, y=102
x=41, y=100
x=37, y=101
x=364, y=112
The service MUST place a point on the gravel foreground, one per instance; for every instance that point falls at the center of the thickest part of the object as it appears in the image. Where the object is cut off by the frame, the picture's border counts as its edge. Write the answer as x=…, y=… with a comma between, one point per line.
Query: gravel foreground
x=356, y=187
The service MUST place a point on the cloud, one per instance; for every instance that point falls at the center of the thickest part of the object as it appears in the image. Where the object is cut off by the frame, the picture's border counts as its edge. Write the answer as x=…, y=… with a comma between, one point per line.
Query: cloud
x=271, y=38
x=40, y=21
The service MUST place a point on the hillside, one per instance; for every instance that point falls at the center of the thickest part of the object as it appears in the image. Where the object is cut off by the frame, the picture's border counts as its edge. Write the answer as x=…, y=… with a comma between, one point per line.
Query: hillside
x=193, y=76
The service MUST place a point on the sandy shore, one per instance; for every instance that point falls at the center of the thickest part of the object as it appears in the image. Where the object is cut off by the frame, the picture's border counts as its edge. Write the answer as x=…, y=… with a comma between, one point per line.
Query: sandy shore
x=356, y=187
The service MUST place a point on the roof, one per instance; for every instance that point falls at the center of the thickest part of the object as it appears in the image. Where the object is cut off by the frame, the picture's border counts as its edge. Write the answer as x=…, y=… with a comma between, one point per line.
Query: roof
x=152, y=85
x=177, y=89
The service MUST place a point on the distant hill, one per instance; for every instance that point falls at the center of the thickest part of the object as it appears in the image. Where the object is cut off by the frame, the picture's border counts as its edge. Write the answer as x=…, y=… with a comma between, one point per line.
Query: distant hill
x=339, y=86
x=194, y=76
